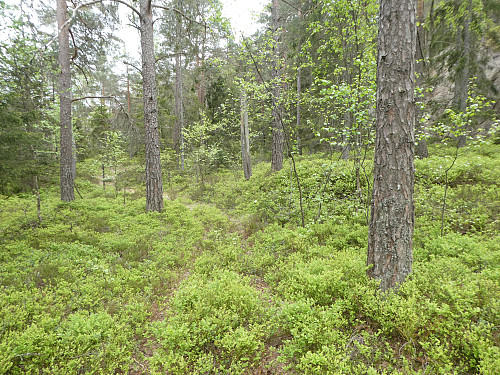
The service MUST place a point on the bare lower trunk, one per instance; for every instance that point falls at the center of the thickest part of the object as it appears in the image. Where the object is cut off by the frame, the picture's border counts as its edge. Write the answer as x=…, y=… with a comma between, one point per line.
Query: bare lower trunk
x=421, y=148
x=38, y=201
x=128, y=93
x=299, y=97
x=36, y=188
x=178, y=89
x=278, y=140
x=346, y=149
x=182, y=134
x=103, y=177
x=390, y=238
x=245, y=137
x=154, y=186
x=463, y=74
x=66, y=161
x=278, y=136
x=346, y=146
x=358, y=180
x=177, y=93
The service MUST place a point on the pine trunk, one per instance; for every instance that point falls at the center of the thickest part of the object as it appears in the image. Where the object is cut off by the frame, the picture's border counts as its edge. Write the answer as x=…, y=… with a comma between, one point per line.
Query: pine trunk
x=278, y=136
x=390, y=237
x=299, y=109
x=154, y=187
x=66, y=161
x=245, y=137
x=128, y=94
x=421, y=148
x=178, y=98
x=463, y=74
x=178, y=89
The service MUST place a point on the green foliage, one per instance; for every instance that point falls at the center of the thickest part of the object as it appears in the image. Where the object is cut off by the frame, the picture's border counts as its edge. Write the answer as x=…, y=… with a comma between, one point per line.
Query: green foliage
x=27, y=128
x=216, y=323
x=103, y=287
x=330, y=316
x=464, y=124
x=206, y=153
x=329, y=189
x=75, y=293
x=473, y=205
x=224, y=280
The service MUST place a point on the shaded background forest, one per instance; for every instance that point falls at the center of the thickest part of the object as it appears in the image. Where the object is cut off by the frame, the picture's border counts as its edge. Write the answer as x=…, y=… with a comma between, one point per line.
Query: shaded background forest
x=322, y=77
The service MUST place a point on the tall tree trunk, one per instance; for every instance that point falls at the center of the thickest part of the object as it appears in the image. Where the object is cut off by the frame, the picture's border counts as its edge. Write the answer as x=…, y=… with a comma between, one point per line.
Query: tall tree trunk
x=66, y=160
x=245, y=137
x=463, y=73
x=299, y=109
x=38, y=201
x=299, y=89
x=103, y=177
x=346, y=145
x=178, y=95
x=390, y=238
x=421, y=149
x=36, y=187
x=348, y=118
x=128, y=94
x=154, y=186
x=431, y=30
x=278, y=136
x=129, y=120
x=73, y=155
x=201, y=87
x=181, y=130
x=178, y=88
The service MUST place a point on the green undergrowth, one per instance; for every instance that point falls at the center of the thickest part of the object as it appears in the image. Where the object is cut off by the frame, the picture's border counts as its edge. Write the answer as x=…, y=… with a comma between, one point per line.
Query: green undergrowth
x=329, y=189
x=77, y=290
x=226, y=281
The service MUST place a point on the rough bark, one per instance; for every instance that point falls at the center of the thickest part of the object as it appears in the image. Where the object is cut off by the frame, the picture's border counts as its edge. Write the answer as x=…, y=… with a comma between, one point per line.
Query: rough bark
x=278, y=136
x=181, y=130
x=245, y=138
x=392, y=208
x=154, y=186
x=66, y=138
x=421, y=148
x=178, y=89
x=299, y=108
x=177, y=94
x=299, y=92
x=462, y=76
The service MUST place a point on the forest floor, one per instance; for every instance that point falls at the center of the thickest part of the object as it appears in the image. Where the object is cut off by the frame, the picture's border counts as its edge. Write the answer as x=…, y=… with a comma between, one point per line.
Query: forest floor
x=226, y=280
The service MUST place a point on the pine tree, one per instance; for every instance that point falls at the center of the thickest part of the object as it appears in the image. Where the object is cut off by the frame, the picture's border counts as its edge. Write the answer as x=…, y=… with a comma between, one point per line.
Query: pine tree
x=392, y=219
